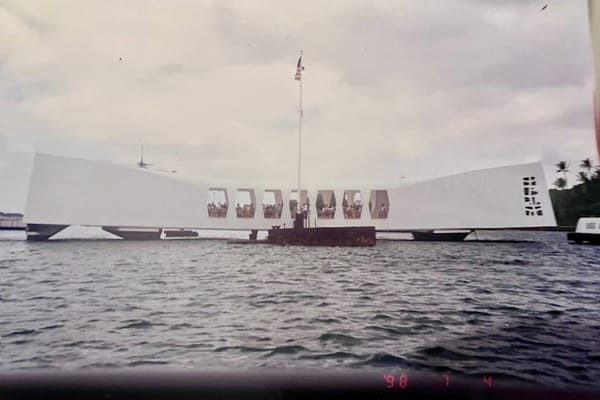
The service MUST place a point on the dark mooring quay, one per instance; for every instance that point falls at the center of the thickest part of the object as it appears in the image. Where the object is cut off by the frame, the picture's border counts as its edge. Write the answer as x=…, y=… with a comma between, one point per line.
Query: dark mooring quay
x=361, y=236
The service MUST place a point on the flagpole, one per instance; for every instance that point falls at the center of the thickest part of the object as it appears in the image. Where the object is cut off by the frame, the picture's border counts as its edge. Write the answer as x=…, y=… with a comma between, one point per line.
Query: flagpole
x=300, y=115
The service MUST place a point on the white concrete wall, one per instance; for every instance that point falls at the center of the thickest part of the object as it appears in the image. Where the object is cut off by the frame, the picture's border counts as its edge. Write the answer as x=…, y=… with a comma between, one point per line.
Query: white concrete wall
x=69, y=191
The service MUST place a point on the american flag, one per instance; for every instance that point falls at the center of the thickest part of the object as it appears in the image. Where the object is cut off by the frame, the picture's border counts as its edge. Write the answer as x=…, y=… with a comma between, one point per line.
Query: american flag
x=299, y=69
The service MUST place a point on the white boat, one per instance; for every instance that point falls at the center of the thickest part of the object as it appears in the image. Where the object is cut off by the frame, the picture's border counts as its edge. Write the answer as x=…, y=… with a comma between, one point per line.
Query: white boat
x=586, y=231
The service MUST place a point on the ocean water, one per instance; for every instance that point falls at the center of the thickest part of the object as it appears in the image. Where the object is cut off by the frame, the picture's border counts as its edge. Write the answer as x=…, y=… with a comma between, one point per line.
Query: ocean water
x=526, y=310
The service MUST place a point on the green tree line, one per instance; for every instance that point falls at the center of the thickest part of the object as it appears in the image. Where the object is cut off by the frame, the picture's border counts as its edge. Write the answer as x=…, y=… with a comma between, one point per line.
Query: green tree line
x=582, y=199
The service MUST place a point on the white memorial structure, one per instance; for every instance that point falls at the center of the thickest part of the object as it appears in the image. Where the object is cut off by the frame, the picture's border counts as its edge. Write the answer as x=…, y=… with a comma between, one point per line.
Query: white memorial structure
x=134, y=203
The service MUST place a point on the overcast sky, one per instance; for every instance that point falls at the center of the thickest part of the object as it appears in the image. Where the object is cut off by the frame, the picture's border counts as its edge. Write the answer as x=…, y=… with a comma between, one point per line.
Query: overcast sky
x=391, y=88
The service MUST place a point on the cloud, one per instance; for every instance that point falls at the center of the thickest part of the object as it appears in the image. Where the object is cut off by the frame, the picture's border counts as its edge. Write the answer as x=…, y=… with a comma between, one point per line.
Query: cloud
x=19, y=91
x=169, y=69
x=391, y=88
x=23, y=17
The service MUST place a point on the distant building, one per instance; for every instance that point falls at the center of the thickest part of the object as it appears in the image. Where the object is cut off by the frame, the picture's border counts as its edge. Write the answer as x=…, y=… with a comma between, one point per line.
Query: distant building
x=11, y=220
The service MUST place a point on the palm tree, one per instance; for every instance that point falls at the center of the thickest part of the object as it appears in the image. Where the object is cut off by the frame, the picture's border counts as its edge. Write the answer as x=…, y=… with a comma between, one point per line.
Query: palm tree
x=564, y=168
x=587, y=165
x=582, y=177
x=560, y=183
x=596, y=175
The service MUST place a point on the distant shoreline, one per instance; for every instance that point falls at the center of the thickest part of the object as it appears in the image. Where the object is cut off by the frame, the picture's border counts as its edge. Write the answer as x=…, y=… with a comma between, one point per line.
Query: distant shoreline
x=11, y=221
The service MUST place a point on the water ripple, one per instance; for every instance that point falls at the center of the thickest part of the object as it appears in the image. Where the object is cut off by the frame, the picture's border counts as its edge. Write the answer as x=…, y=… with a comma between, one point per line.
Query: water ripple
x=527, y=311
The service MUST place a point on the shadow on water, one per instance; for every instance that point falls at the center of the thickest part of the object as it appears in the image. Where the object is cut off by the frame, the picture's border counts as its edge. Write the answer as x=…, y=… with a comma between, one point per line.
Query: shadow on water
x=552, y=348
